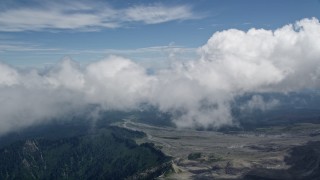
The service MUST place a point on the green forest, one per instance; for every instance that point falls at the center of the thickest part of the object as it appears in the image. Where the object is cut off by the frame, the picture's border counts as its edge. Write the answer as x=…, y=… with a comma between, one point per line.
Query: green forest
x=106, y=153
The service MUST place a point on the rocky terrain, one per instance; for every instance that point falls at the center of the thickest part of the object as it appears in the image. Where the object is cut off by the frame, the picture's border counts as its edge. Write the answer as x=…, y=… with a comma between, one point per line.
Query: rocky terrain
x=260, y=154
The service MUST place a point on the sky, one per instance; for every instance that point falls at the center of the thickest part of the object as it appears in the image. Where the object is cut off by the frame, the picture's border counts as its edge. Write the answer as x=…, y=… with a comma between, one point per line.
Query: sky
x=37, y=33
x=190, y=59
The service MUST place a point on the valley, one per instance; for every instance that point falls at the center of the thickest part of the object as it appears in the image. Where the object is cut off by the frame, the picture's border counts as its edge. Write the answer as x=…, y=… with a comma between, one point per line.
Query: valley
x=228, y=155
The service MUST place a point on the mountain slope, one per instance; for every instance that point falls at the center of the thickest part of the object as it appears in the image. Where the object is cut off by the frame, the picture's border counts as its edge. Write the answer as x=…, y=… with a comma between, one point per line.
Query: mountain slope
x=106, y=154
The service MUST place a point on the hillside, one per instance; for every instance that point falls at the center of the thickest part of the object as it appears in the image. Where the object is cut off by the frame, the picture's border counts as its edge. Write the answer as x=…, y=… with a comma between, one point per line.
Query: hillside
x=109, y=153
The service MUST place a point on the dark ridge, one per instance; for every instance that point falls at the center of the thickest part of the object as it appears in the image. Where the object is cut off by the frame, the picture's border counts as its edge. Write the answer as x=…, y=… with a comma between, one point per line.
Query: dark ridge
x=106, y=154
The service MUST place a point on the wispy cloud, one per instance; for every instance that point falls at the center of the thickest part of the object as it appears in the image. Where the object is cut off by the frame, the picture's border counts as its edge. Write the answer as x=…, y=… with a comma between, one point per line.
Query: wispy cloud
x=87, y=16
x=154, y=57
x=158, y=14
x=15, y=46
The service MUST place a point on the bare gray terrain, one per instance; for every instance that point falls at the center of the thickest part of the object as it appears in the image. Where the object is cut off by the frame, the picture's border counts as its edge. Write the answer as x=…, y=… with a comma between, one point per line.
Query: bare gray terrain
x=216, y=155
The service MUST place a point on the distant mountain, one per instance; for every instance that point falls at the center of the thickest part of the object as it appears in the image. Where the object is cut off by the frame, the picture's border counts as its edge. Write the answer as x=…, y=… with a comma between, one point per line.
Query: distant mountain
x=291, y=108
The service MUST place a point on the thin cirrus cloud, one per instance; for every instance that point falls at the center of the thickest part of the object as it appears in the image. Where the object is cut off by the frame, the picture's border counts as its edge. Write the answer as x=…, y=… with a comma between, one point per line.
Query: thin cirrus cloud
x=88, y=16
x=23, y=47
x=158, y=14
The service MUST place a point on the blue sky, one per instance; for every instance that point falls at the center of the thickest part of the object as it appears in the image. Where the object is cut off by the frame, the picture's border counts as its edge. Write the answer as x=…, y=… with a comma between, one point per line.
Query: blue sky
x=38, y=33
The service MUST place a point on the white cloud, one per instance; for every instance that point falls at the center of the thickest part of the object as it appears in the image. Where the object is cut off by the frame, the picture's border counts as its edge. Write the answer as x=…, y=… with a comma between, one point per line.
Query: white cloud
x=16, y=47
x=8, y=75
x=158, y=14
x=263, y=58
x=257, y=102
x=116, y=83
x=198, y=92
x=234, y=62
x=86, y=16
x=67, y=74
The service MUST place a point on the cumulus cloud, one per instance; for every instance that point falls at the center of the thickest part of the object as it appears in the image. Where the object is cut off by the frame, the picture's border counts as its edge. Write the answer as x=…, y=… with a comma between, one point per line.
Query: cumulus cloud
x=117, y=83
x=8, y=75
x=86, y=15
x=262, y=59
x=197, y=93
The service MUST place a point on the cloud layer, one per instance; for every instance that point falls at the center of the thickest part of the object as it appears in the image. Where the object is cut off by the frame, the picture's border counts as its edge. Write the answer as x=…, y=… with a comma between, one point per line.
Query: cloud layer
x=86, y=15
x=197, y=93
